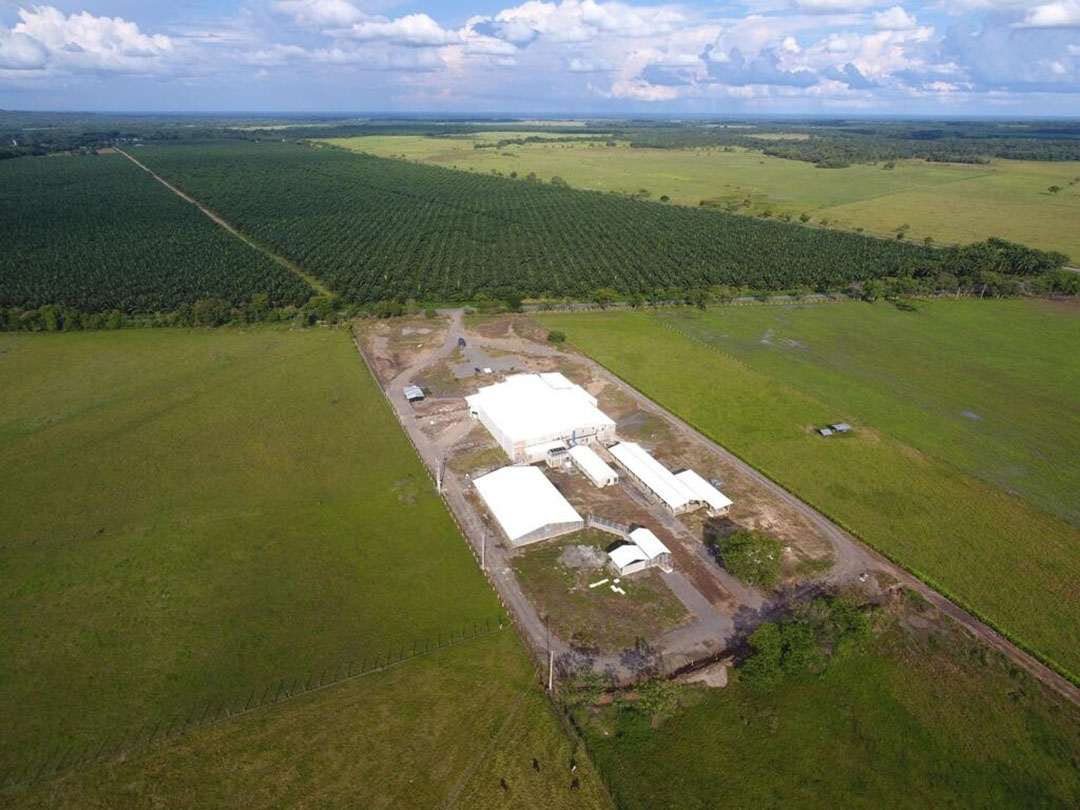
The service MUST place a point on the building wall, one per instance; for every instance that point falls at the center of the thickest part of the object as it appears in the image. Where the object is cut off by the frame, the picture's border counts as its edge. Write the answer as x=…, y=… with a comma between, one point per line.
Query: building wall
x=547, y=532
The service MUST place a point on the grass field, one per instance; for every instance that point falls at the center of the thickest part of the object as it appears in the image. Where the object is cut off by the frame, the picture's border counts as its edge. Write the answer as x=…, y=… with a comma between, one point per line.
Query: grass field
x=918, y=718
x=440, y=731
x=192, y=514
x=989, y=387
x=1014, y=564
x=595, y=617
x=949, y=202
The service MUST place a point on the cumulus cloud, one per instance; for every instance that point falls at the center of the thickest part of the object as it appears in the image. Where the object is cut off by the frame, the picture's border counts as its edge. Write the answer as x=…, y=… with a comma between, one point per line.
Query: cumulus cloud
x=319, y=14
x=1058, y=14
x=412, y=30
x=895, y=18
x=45, y=39
x=732, y=68
x=575, y=21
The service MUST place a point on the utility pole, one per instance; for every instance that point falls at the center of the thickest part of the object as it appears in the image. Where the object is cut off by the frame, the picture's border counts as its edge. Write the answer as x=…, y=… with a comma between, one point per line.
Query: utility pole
x=551, y=668
x=483, y=552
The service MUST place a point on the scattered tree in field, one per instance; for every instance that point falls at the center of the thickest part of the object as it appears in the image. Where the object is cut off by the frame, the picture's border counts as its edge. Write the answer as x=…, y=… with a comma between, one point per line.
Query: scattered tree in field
x=558, y=181
x=1054, y=189
x=804, y=217
x=556, y=337
x=665, y=198
x=751, y=556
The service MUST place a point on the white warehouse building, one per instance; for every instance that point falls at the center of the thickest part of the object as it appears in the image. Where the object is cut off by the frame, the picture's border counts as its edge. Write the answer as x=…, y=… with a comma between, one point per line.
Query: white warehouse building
x=526, y=505
x=531, y=414
x=643, y=550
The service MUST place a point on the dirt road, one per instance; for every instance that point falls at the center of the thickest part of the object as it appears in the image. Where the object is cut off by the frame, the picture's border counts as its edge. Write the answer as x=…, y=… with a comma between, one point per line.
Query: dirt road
x=313, y=282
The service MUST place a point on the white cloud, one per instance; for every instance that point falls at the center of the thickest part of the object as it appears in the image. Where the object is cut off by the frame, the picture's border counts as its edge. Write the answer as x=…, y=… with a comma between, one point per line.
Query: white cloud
x=580, y=21
x=895, y=18
x=45, y=39
x=1058, y=14
x=412, y=30
x=319, y=14
x=833, y=6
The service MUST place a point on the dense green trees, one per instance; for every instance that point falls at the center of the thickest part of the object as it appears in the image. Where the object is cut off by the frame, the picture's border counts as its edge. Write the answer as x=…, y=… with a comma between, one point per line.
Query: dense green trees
x=375, y=229
x=96, y=233
x=753, y=557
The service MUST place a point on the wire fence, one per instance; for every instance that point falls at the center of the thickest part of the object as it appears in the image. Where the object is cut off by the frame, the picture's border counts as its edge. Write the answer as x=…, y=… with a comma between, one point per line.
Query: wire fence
x=60, y=758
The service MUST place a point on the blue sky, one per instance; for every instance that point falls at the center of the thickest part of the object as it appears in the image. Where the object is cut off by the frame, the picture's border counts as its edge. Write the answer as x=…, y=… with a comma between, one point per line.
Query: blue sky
x=834, y=57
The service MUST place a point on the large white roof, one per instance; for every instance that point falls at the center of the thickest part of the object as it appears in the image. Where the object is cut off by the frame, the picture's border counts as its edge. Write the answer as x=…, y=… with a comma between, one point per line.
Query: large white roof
x=527, y=407
x=594, y=466
x=653, y=474
x=704, y=490
x=523, y=500
x=649, y=543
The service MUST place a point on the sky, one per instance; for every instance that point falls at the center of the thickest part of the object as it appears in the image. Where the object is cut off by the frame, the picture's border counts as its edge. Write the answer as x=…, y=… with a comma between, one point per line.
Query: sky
x=566, y=57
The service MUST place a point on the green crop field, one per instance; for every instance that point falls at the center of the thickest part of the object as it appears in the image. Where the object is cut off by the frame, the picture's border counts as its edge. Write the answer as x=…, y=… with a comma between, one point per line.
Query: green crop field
x=96, y=233
x=190, y=515
x=441, y=731
x=952, y=203
x=1014, y=564
x=918, y=717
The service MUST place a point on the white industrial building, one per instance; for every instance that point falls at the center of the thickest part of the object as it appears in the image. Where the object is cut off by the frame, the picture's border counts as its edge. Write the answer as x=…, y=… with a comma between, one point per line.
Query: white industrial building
x=595, y=468
x=715, y=500
x=654, y=477
x=532, y=414
x=644, y=550
x=526, y=505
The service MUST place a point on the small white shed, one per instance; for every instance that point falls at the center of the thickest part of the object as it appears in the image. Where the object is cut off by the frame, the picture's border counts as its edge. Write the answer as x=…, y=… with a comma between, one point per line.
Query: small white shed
x=595, y=468
x=628, y=559
x=657, y=553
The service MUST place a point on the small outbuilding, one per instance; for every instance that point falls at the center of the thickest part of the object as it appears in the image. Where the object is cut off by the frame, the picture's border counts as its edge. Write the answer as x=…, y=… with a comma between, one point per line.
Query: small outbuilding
x=657, y=553
x=414, y=393
x=841, y=427
x=627, y=559
x=526, y=505
x=598, y=471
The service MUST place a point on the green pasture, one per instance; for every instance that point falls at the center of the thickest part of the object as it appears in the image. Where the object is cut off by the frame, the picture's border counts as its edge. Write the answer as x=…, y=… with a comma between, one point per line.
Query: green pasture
x=190, y=515
x=919, y=718
x=948, y=202
x=990, y=387
x=440, y=731
x=1014, y=564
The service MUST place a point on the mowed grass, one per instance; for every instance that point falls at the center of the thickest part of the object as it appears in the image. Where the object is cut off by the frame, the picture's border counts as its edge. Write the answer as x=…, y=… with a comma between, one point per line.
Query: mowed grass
x=919, y=718
x=989, y=386
x=951, y=203
x=189, y=515
x=440, y=731
x=1015, y=565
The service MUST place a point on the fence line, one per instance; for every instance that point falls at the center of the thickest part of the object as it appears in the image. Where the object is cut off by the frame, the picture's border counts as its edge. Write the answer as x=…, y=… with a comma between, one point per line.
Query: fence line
x=218, y=710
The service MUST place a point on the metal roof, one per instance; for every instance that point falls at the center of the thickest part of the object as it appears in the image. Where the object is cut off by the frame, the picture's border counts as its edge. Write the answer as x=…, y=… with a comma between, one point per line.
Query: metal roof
x=523, y=500
x=627, y=555
x=649, y=543
x=594, y=466
x=414, y=392
x=704, y=490
x=529, y=408
x=653, y=474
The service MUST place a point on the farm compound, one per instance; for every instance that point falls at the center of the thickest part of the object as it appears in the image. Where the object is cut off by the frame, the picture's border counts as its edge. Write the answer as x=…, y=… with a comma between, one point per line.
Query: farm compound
x=526, y=505
x=530, y=415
